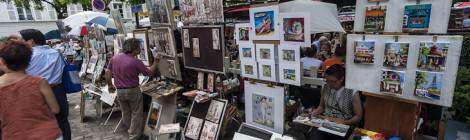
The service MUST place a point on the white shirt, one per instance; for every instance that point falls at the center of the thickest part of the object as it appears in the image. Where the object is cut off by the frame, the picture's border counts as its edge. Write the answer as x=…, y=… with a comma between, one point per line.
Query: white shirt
x=310, y=62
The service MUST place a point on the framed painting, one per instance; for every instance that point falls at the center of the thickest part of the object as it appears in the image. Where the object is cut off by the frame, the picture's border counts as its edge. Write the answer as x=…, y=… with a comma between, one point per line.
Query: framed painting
x=267, y=71
x=296, y=28
x=392, y=82
x=289, y=53
x=159, y=12
x=364, y=52
x=153, y=117
x=247, y=52
x=144, y=56
x=265, y=52
x=215, y=111
x=249, y=69
x=416, y=18
x=429, y=84
x=193, y=128
x=264, y=21
x=289, y=73
x=164, y=41
x=202, y=11
x=375, y=18
x=433, y=56
x=242, y=33
x=209, y=131
x=264, y=106
x=396, y=55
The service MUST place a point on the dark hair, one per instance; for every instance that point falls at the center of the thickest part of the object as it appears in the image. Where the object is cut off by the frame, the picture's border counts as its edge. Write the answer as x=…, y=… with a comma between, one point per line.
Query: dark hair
x=337, y=71
x=16, y=54
x=130, y=45
x=35, y=35
x=340, y=52
x=310, y=51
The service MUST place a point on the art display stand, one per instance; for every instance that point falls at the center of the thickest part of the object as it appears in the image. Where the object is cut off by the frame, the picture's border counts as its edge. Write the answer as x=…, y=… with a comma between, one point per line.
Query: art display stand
x=391, y=117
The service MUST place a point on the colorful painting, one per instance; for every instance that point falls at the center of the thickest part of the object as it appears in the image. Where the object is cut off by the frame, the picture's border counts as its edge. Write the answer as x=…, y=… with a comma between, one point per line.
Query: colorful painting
x=375, y=18
x=364, y=52
x=196, y=52
x=209, y=131
x=264, y=23
x=202, y=11
x=416, y=17
x=154, y=116
x=249, y=69
x=244, y=33
x=392, y=82
x=433, y=56
x=294, y=29
x=215, y=39
x=429, y=84
x=265, y=53
x=247, y=52
x=214, y=114
x=186, y=38
x=289, y=74
x=193, y=128
x=263, y=110
x=396, y=55
x=288, y=55
x=267, y=70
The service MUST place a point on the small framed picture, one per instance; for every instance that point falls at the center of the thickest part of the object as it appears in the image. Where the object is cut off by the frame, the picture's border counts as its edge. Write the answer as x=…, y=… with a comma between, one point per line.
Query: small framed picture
x=186, y=38
x=215, y=39
x=289, y=53
x=267, y=71
x=265, y=52
x=200, y=80
x=209, y=131
x=210, y=82
x=193, y=128
x=247, y=52
x=249, y=69
x=196, y=52
x=154, y=116
x=215, y=111
x=242, y=33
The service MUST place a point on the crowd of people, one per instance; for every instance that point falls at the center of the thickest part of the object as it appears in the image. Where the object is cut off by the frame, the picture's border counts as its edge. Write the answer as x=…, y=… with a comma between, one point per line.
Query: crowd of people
x=323, y=53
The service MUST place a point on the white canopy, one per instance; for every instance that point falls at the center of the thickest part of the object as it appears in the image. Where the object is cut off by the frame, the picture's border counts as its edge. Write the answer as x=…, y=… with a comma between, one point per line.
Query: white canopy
x=323, y=16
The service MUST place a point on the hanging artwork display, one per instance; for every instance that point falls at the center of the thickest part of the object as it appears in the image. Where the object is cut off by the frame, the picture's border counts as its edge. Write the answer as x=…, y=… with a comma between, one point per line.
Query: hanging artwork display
x=242, y=33
x=396, y=55
x=210, y=82
x=193, y=128
x=200, y=80
x=289, y=53
x=99, y=68
x=364, y=52
x=249, y=69
x=215, y=111
x=290, y=73
x=159, y=12
x=154, y=117
x=144, y=56
x=247, y=52
x=267, y=71
x=264, y=106
x=164, y=42
x=432, y=56
x=392, y=82
x=429, y=84
x=375, y=18
x=265, y=52
x=186, y=38
x=92, y=64
x=206, y=51
x=264, y=21
x=417, y=18
x=209, y=131
x=202, y=11
x=295, y=28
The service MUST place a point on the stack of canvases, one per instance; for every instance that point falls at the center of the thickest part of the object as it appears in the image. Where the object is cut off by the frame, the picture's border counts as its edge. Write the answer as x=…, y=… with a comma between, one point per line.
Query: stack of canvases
x=272, y=61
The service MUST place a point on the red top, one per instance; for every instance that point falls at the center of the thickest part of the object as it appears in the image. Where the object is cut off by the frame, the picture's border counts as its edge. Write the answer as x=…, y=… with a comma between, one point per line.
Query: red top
x=125, y=69
x=24, y=113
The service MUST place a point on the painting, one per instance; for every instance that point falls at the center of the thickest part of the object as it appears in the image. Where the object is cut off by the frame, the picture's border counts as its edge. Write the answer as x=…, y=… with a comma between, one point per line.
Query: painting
x=210, y=82
x=429, y=84
x=264, y=106
x=142, y=36
x=159, y=13
x=375, y=18
x=396, y=55
x=172, y=68
x=266, y=70
x=249, y=69
x=392, y=82
x=433, y=56
x=416, y=17
x=186, y=38
x=193, y=128
x=209, y=131
x=289, y=74
x=214, y=114
x=215, y=39
x=296, y=28
x=246, y=52
x=163, y=40
x=154, y=116
x=263, y=110
x=196, y=52
x=264, y=21
x=364, y=52
x=242, y=33
x=265, y=53
x=288, y=55
x=202, y=11
x=200, y=80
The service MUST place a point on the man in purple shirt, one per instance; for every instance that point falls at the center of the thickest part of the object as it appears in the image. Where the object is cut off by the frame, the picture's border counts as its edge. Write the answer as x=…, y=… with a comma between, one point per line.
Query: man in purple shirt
x=125, y=68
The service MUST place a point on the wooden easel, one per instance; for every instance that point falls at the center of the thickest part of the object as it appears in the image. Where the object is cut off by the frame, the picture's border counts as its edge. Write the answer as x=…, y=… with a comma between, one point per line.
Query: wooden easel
x=391, y=116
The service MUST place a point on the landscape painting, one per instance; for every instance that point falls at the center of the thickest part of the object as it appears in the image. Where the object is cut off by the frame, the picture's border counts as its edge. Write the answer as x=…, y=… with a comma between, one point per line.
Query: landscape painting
x=396, y=55
x=429, y=84
x=364, y=52
x=433, y=56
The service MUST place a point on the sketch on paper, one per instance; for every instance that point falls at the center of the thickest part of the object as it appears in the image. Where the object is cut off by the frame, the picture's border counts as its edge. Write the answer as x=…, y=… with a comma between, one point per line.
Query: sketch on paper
x=209, y=131
x=215, y=111
x=263, y=110
x=265, y=53
x=196, y=52
x=193, y=128
x=186, y=38
x=215, y=39
x=249, y=69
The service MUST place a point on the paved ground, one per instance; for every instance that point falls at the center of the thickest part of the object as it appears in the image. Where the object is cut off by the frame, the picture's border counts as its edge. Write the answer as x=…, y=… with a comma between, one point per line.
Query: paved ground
x=92, y=129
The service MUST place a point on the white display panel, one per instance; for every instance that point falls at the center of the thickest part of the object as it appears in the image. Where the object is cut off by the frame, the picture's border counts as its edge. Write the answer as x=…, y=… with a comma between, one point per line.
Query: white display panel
x=367, y=77
x=440, y=13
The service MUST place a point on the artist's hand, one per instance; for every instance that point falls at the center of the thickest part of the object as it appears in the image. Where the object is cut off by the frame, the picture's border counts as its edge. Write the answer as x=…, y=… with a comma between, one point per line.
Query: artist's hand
x=111, y=89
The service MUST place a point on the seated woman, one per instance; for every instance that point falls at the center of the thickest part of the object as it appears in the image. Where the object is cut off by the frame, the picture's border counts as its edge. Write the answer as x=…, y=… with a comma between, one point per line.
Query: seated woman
x=338, y=103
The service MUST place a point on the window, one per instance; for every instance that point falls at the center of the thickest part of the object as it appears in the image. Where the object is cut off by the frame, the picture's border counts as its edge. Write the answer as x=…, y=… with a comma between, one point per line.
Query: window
x=51, y=12
x=11, y=11
x=118, y=6
x=38, y=14
x=24, y=13
x=75, y=8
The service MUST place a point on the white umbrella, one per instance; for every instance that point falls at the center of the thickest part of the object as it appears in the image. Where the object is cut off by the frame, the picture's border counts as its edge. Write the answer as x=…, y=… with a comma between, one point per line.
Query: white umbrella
x=79, y=18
